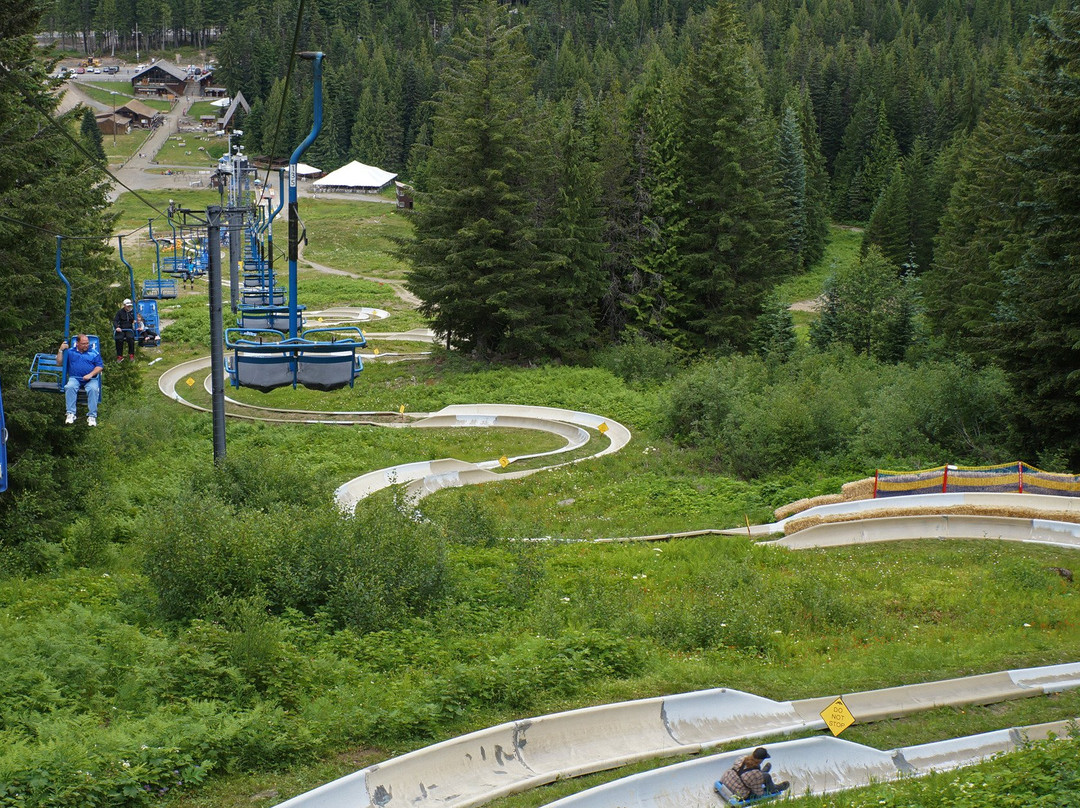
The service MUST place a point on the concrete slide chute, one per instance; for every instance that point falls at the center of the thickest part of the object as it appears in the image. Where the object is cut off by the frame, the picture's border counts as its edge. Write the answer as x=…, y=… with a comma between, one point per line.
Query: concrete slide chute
x=475, y=768
x=427, y=476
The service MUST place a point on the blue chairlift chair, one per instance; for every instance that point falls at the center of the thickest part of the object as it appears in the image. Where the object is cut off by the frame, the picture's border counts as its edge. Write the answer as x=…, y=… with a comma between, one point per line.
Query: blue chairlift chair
x=321, y=359
x=46, y=375
x=263, y=357
x=146, y=308
x=332, y=360
x=263, y=318
x=151, y=323
x=161, y=288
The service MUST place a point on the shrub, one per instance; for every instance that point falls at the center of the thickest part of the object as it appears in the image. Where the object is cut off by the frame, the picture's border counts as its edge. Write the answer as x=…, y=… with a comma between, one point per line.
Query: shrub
x=838, y=412
x=367, y=571
x=640, y=362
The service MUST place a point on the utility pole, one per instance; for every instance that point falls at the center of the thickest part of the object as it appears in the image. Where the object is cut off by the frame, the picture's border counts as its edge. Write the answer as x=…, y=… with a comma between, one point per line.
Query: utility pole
x=112, y=97
x=136, y=32
x=217, y=331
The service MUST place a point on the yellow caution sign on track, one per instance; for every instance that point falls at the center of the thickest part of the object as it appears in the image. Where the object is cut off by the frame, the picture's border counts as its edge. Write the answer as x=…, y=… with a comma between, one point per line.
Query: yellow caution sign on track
x=837, y=716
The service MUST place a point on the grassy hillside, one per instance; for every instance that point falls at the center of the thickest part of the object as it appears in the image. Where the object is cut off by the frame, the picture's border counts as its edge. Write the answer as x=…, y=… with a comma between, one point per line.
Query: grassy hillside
x=218, y=636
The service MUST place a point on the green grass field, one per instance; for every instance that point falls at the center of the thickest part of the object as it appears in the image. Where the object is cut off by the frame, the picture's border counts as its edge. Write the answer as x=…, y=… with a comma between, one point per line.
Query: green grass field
x=211, y=623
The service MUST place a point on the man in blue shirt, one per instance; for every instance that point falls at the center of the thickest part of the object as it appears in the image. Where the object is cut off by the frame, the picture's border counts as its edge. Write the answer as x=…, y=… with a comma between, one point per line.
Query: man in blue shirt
x=84, y=367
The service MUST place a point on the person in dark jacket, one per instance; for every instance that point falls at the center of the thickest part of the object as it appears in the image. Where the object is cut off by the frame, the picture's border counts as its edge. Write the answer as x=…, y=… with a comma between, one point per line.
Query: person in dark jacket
x=124, y=330
x=749, y=778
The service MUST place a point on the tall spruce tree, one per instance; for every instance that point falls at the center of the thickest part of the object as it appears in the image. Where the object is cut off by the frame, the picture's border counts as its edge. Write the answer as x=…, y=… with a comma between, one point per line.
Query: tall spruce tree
x=732, y=248
x=817, y=183
x=789, y=148
x=980, y=237
x=474, y=258
x=650, y=290
x=1039, y=342
x=91, y=134
x=867, y=308
x=570, y=239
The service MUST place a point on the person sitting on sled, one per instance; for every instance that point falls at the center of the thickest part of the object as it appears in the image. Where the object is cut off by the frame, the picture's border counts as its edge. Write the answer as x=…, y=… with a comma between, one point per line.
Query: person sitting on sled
x=748, y=778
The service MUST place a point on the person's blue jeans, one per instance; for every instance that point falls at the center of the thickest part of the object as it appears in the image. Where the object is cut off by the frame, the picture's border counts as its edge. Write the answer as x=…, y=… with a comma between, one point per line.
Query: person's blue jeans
x=93, y=394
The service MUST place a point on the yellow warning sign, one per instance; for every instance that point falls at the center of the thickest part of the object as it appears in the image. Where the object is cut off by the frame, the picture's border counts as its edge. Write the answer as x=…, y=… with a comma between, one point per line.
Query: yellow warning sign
x=190, y=381
x=837, y=716
x=401, y=409
x=376, y=351
x=504, y=461
x=603, y=428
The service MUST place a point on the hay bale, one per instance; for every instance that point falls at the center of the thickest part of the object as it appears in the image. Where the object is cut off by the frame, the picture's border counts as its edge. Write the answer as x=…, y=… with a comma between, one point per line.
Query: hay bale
x=856, y=489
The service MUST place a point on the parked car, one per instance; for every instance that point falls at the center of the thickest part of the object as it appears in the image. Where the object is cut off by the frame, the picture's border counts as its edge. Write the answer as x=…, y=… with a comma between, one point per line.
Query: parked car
x=110, y=69
x=80, y=70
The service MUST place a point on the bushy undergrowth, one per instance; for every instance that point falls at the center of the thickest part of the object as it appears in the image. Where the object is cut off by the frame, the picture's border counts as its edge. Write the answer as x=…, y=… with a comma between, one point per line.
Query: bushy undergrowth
x=838, y=411
x=368, y=572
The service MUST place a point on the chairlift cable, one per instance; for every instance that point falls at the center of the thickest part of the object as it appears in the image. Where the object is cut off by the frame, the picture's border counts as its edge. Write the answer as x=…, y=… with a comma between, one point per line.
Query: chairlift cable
x=68, y=136
x=285, y=89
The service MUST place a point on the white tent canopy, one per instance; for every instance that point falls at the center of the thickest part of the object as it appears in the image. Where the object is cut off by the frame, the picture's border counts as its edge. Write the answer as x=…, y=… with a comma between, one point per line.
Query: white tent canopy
x=355, y=177
x=304, y=170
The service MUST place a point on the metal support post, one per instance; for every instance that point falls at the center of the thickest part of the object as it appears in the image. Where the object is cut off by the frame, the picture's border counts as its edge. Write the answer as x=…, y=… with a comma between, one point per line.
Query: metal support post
x=217, y=332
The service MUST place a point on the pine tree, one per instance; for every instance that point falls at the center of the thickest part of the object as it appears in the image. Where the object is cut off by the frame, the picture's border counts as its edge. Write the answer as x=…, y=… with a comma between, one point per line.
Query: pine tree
x=867, y=308
x=48, y=186
x=793, y=199
x=979, y=239
x=876, y=170
x=817, y=183
x=773, y=337
x=650, y=291
x=91, y=135
x=1039, y=344
x=474, y=256
x=732, y=248
x=570, y=241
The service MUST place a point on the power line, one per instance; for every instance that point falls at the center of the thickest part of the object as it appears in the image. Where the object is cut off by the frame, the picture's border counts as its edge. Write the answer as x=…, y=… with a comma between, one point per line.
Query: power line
x=66, y=237
x=285, y=89
x=32, y=102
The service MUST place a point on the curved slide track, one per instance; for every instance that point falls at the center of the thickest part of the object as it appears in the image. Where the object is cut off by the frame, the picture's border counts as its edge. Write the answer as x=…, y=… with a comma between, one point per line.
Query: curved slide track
x=425, y=477
x=928, y=502
x=476, y=768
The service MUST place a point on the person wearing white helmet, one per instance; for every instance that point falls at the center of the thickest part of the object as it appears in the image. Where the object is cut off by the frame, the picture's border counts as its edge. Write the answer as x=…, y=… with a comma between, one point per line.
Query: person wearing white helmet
x=124, y=330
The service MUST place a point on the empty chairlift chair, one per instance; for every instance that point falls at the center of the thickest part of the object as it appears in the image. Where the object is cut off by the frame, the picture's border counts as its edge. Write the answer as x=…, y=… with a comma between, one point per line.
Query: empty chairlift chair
x=322, y=359
x=331, y=360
